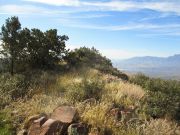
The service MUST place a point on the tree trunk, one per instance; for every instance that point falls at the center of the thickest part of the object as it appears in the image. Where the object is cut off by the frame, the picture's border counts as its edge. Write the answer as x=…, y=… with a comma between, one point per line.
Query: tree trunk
x=12, y=66
x=12, y=62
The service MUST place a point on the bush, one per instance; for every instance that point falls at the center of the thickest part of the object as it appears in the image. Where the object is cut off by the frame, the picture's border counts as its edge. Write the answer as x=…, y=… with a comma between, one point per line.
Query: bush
x=90, y=57
x=163, y=96
x=12, y=87
x=88, y=88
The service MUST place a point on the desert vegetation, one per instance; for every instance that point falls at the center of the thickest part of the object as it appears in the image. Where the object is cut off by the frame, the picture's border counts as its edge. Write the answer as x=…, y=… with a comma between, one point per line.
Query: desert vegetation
x=39, y=74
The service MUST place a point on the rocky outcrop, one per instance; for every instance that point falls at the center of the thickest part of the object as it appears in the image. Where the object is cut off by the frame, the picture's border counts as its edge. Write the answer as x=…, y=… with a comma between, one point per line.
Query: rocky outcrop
x=56, y=123
x=65, y=114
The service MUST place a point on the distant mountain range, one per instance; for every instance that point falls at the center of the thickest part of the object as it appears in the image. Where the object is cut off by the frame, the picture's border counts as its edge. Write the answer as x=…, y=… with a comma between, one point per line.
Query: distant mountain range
x=167, y=68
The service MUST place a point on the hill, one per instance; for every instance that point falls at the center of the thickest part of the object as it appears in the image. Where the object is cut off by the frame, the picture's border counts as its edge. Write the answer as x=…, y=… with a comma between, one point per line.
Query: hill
x=163, y=67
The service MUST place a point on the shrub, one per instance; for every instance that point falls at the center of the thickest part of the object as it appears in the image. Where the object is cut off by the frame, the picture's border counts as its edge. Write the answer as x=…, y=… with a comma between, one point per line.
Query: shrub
x=163, y=96
x=87, y=88
x=12, y=87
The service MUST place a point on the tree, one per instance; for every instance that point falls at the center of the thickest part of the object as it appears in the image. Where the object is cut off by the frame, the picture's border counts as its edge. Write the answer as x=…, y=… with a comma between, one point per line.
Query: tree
x=31, y=48
x=45, y=49
x=10, y=38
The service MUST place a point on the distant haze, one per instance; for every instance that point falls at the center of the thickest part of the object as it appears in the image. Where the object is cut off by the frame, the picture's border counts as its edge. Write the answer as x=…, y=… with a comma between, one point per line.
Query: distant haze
x=163, y=67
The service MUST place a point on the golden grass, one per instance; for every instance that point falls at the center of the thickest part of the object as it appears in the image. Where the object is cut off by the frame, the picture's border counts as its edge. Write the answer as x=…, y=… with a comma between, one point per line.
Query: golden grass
x=119, y=89
x=116, y=91
x=159, y=127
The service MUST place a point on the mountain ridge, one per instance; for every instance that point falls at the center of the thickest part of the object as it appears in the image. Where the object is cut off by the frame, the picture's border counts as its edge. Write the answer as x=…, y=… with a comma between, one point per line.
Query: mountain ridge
x=163, y=67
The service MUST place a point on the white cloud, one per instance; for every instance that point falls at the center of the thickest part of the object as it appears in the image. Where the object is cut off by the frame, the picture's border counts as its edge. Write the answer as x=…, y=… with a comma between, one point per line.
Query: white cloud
x=26, y=9
x=58, y=2
x=131, y=26
x=161, y=6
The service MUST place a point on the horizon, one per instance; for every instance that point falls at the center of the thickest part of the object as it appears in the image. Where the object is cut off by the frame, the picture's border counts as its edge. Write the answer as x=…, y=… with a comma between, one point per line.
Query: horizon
x=118, y=29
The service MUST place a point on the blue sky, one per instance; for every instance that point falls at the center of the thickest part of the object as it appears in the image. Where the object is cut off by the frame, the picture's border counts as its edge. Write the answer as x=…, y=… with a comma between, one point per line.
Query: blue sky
x=118, y=28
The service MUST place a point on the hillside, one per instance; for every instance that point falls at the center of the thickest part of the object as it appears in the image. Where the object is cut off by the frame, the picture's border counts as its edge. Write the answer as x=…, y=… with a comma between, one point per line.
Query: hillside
x=108, y=105
x=167, y=68
x=47, y=89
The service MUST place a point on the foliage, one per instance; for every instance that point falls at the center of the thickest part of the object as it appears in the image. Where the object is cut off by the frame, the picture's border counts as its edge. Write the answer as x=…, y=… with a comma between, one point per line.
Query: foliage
x=163, y=96
x=90, y=57
x=6, y=128
x=9, y=35
x=31, y=48
x=12, y=88
x=88, y=88
x=53, y=89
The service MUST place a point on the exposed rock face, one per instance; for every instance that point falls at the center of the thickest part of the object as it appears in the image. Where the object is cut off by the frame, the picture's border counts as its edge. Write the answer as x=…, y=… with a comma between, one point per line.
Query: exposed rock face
x=35, y=128
x=65, y=114
x=53, y=127
x=57, y=124
x=77, y=129
x=32, y=119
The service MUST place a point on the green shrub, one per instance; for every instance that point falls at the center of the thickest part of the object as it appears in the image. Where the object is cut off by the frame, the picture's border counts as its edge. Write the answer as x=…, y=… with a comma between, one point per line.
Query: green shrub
x=163, y=96
x=6, y=127
x=88, y=88
x=12, y=87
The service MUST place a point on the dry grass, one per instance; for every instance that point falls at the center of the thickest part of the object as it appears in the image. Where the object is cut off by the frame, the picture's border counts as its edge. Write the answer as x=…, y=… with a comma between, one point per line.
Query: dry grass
x=159, y=127
x=116, y=91
x=125, y=89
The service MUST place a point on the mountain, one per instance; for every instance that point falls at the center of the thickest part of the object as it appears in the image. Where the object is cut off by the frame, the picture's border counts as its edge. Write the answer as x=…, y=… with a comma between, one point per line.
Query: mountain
x=163, y=67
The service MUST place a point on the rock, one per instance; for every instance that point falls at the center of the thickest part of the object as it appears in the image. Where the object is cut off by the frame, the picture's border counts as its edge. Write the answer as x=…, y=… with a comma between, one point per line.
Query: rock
x=35, y=128
x=65, y=114
x=53, y=127
x=77, y=129
x=30, y=121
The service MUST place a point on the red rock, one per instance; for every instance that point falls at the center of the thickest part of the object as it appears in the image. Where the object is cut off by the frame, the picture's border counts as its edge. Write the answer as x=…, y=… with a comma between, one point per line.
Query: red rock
x=53, y=127
x=35, y=128
x=65, y=114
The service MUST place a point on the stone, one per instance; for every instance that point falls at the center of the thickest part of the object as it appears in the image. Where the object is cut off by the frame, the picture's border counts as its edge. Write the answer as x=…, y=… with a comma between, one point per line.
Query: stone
x=35, y=128
x=30, y=121
x=53, y=127
x=65, y=114
x=77, y=129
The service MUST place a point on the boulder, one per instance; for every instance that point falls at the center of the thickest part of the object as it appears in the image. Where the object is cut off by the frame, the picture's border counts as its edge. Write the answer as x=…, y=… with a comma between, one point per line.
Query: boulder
x=35, y=128
x=65, y=114
x=77, y=129
x=53, y=127
x=31, y=119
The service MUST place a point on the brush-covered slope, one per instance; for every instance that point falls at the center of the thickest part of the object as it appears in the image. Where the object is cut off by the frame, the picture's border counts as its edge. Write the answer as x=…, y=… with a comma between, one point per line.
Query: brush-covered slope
x=73, y=89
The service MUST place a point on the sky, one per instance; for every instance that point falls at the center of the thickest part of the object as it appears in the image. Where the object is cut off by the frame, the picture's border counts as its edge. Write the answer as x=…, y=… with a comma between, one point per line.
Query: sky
x=119, y=29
